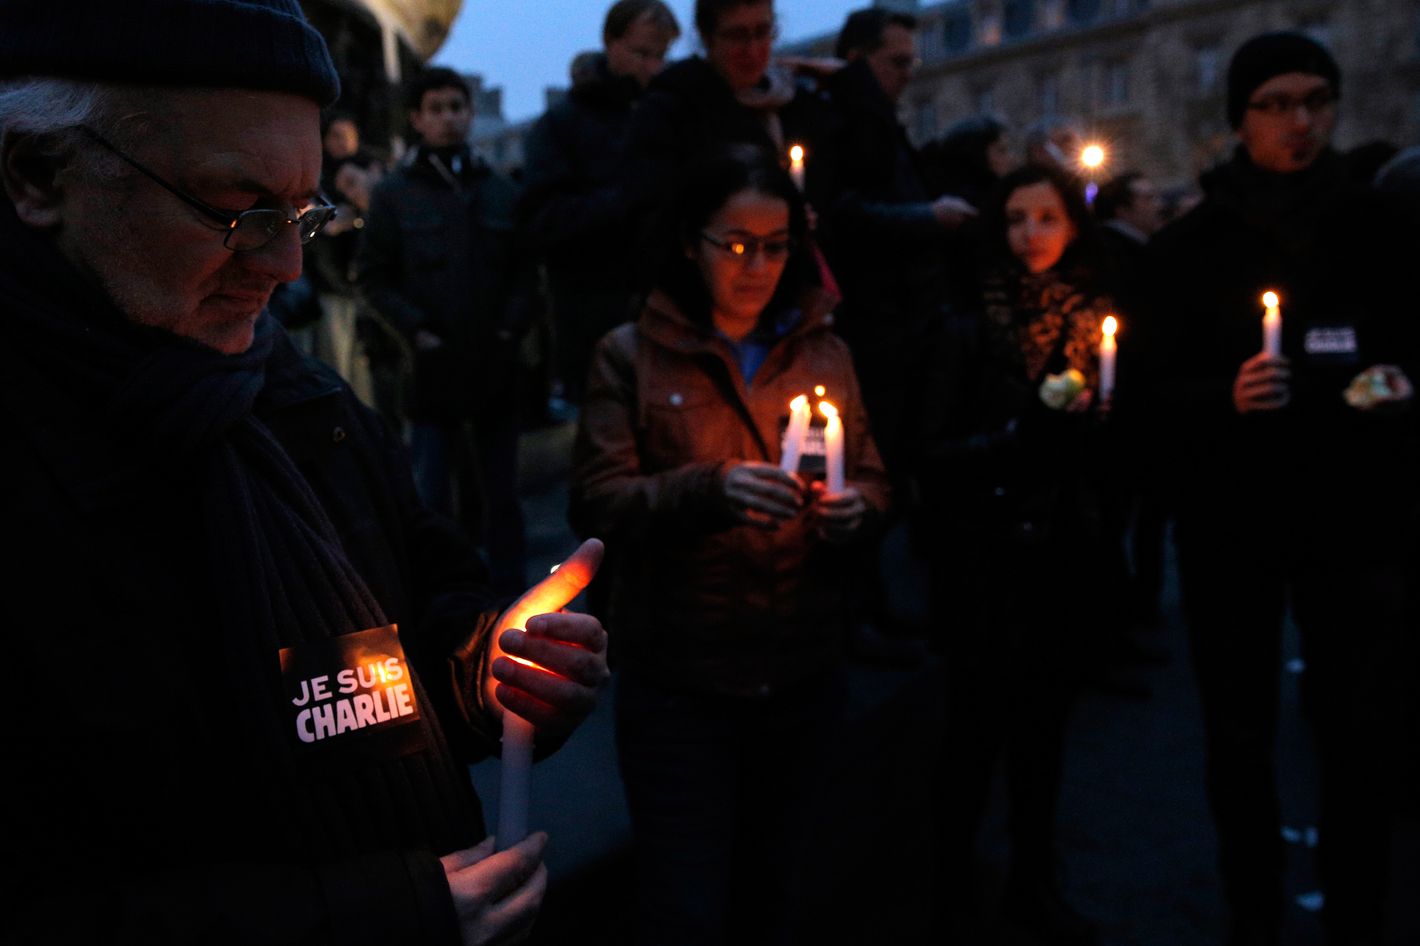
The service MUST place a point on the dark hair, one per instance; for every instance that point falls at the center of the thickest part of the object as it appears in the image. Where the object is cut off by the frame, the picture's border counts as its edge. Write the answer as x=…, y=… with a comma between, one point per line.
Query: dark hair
x=957, y=162
x=863, y=30
x=708, y=13
x=1081, y=263
x=1116, y=194
x=705, y=187
x=430, y=79
x=624, y=13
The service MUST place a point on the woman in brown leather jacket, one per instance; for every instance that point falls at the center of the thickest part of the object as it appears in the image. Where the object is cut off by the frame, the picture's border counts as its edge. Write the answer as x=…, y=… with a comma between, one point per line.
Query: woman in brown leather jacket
x=728, y=573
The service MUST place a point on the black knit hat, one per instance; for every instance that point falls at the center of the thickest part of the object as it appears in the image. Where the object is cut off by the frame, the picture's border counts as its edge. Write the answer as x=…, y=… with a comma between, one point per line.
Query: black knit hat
x=244, y=44
x=1274, y=54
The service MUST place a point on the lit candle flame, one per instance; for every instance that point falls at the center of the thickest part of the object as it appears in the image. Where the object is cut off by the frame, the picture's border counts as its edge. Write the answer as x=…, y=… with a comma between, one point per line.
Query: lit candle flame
x=1092, y=156
x=796, y=153
x=799, y=403
x=1270, y=300
x=827, y=409
x=820, y=390
x=1111, y=325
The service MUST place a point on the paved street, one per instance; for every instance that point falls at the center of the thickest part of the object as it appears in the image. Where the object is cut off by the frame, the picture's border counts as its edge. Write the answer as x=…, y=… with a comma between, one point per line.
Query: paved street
x=1138, y=844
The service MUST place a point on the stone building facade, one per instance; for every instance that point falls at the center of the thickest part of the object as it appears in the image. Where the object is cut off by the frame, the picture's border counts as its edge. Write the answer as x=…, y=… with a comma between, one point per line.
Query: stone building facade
x=1147, y=77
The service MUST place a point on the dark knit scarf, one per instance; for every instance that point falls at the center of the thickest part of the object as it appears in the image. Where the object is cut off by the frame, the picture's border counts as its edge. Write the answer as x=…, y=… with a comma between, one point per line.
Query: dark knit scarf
x=142, y=408
x=1043, y=323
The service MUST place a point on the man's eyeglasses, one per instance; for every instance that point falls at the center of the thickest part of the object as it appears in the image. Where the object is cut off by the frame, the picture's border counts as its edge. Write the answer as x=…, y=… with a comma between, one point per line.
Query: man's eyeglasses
x=246, y=229
x=1278, y=105
x=746, y=35
x=745, y=248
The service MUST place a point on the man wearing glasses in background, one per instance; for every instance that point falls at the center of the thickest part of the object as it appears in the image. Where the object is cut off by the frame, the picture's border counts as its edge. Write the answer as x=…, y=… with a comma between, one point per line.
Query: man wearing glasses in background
x=246, y=665
x=1295, y=480
x=734, y=94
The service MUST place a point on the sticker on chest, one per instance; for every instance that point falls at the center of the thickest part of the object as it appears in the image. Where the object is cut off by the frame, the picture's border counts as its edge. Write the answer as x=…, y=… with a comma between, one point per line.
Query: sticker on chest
x=347, y=688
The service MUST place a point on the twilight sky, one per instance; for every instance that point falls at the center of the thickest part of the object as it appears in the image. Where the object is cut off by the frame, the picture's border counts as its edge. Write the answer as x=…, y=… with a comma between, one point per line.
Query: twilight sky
x=525, y=45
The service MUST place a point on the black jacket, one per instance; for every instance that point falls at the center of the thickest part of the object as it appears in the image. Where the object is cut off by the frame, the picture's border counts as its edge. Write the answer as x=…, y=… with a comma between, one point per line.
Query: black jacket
x=1320, y=241
x=143, y=746
x=439, y=253
x=573, y=211
x=879, y=232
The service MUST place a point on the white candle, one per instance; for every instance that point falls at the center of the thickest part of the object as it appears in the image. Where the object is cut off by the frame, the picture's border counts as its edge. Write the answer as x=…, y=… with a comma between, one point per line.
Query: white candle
x=832, y=447
x=796, y=166
x=1272, y=325
x=515, y=782
x=1109, y=349
x=795, y=434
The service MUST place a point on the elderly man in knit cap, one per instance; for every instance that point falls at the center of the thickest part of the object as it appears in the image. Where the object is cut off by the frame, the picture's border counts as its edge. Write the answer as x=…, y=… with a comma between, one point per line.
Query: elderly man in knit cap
x=245, y=665
x=1296, y=478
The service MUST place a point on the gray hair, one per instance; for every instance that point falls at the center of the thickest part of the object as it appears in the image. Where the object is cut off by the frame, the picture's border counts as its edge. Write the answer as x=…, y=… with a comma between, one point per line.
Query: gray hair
x=53, y=110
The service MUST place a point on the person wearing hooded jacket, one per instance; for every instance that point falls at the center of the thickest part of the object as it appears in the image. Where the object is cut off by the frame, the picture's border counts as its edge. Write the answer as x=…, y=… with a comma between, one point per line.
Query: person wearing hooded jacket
x=1295, y=478
x=573, y=211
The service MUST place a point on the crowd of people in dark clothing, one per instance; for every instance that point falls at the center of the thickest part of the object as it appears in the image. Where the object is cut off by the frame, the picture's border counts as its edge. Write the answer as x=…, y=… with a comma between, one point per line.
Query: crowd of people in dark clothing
x=938, y=316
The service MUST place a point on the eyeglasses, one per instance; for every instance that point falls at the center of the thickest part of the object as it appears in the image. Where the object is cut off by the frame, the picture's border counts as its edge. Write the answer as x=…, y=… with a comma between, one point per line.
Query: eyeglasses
x=1276, y=106
x=746, y=248
x=746, y=35
x=246, y=229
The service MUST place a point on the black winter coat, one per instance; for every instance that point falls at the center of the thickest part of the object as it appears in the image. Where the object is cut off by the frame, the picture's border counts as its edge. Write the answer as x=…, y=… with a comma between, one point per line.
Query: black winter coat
x=1322, y=242
x=573, y=211
x=879, y=232
x=439, y=253
x=140, y=749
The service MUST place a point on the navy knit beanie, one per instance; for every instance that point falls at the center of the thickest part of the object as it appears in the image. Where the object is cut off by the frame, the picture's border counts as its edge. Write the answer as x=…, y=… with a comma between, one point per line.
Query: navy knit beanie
x=1274, y=54
x=244, y=44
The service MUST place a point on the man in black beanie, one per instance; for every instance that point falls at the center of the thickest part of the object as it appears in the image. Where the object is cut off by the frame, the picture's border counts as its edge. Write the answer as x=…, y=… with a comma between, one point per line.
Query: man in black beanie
x=247, y=667
x=1295, y=482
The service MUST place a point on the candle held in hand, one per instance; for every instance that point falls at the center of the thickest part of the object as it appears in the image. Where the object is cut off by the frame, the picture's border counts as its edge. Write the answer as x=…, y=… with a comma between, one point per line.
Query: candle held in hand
x=795, y=434
x=1109, y=349
x=1271, y=325
x=796, y=166
x=832, y=447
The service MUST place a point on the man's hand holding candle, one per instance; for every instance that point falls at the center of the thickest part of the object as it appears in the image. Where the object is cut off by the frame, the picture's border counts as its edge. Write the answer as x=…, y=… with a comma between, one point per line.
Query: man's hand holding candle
x=1263, y=383
x=568, y=649
x=497, y=895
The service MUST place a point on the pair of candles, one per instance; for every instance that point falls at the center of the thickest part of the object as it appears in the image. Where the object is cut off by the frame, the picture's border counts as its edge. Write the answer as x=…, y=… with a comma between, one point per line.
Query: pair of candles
x=800, y=416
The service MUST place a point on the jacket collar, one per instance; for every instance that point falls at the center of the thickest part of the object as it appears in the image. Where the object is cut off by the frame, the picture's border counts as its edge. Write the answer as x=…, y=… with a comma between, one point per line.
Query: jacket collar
x=664, y=323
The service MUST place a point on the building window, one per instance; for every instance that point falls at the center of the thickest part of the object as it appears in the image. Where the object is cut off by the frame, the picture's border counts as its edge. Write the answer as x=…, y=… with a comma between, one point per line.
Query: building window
x=956, y=30
x=1052, y=14
x=1018, y=18
x=1207, y=69
x=1083, y=12
x=929, y=46
x=1114, y=87
x=1048, y=94
x=990, y=29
